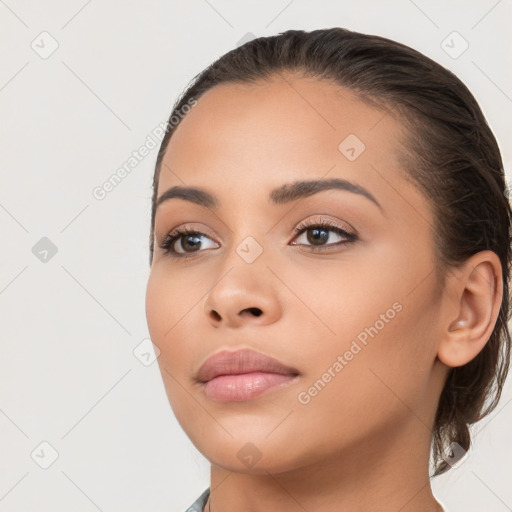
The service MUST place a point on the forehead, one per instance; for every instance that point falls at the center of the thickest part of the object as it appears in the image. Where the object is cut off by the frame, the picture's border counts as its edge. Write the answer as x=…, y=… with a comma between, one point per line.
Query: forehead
x=240, y=139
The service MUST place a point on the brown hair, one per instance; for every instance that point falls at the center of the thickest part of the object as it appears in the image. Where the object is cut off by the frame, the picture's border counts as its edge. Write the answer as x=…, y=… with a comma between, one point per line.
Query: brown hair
x=450, y=154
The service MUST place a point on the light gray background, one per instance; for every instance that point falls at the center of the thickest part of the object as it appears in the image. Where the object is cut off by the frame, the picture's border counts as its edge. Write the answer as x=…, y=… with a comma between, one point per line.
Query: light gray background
x=68, y=374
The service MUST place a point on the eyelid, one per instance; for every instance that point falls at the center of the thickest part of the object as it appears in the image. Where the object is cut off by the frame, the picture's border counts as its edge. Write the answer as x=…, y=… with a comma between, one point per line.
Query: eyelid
x=318, y=219
x=188, y=226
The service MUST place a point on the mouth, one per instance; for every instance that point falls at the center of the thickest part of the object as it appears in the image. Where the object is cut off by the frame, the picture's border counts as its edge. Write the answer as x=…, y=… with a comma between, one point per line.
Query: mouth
x=242, y=375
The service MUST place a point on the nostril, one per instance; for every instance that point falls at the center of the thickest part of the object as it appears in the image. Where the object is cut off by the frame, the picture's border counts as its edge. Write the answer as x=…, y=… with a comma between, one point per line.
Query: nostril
x=254, y=311
x=215, y=315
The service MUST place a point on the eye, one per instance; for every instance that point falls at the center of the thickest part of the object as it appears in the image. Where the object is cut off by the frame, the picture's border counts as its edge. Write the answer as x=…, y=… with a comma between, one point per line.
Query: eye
x=178, y=242
x=317, y=233
x=184, y=242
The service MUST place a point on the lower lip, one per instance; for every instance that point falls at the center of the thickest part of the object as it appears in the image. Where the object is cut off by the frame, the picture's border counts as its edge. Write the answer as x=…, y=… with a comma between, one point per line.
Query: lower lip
x=245, y=386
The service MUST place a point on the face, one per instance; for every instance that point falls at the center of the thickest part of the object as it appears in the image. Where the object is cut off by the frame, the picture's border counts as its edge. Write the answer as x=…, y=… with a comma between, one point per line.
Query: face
x=336, y=282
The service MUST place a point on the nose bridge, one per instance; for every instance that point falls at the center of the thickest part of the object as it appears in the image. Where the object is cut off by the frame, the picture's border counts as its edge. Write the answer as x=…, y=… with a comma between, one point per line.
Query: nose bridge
x=250, y=237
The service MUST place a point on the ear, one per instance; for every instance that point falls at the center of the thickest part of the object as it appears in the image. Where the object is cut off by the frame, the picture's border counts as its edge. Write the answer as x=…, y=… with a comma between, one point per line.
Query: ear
x=474, y=292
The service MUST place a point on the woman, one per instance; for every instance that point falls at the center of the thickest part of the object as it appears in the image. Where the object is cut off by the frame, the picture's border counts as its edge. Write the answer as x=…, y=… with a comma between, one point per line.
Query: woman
x=329, y=250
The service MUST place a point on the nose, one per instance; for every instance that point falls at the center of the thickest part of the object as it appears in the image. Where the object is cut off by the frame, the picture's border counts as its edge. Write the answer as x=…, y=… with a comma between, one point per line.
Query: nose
x=243, y=296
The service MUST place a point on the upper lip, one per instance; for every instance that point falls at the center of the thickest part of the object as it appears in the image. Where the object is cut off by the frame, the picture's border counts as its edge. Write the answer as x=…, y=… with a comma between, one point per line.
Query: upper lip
x=226, y=362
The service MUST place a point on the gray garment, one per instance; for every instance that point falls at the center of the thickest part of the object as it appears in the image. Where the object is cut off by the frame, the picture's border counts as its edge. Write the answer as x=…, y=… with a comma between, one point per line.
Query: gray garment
x=199, y=504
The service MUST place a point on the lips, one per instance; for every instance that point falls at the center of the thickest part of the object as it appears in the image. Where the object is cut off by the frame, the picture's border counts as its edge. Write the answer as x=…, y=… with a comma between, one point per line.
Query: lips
x=240, y=362
x=243, y=375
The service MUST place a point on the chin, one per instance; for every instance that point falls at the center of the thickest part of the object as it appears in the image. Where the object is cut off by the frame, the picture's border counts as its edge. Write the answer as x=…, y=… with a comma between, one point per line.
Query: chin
x=245, y=453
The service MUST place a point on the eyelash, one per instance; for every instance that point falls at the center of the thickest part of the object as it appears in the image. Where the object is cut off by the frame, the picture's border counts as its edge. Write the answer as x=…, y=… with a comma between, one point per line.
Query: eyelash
x=175, y=235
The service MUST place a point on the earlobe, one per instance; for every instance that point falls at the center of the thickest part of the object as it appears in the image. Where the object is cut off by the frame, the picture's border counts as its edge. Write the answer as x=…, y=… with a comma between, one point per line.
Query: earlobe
x=478, y=291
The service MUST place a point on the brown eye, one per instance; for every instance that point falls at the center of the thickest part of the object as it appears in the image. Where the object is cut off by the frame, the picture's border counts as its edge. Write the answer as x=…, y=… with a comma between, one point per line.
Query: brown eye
x=318, y=233
x=181, y=243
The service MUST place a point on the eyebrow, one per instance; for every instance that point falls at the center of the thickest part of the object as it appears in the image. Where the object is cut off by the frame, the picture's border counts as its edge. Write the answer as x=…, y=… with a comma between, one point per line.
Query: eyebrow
x=283, y=194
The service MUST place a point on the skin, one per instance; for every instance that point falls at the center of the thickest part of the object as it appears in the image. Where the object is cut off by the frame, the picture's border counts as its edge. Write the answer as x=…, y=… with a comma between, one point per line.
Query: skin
x=362, y=443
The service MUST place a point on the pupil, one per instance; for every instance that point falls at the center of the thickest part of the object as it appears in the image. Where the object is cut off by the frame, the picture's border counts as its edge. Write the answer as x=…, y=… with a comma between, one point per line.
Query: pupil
x=191, y=237
x=316, y=236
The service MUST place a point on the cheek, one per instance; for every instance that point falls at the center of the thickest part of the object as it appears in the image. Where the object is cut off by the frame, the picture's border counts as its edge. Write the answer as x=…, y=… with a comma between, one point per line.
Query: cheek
x=371, y=391
x=156, y=307
x=170, y=301
x=347, y=298
x=169, y=311
x=385, y=336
